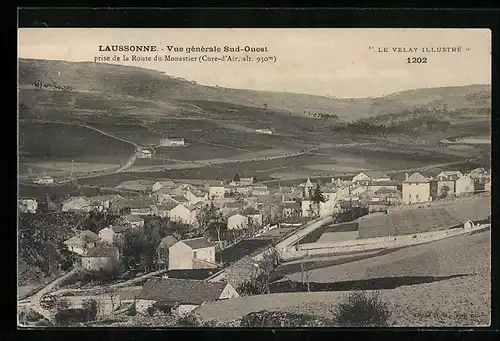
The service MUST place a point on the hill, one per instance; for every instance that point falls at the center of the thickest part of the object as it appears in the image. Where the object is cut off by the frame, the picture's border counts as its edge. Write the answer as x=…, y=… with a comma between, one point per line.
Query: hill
x=139, y=88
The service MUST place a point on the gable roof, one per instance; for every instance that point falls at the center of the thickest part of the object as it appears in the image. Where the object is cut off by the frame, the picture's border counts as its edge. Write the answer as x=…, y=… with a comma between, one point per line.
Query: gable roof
x=120, y=228
x=167, y=242
x=197, y=243
x=180, y=198
x=240, y=271
x=167, y=206
x=385, y=190
x=166, y=183
x=101, y=252
x=183, y=291
x=416, y=178
x=88, y=236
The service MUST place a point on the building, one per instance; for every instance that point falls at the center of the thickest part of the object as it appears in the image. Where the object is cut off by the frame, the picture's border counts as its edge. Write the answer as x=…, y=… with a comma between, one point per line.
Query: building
x=388, y=195
x=254, y=216
x=163, y=184
x=163, y=210
x=101, y=259
x=133, y=220
x=144, y=154
x=45, y=180
x=140, y=185
x=104, y=202
x=27, y=205
x=416, y=188
x=77, y=204
x=81, y=242
x=217, y=192
x=184, y=213
x=292, y=210
x=180, y=296
x=369, y=187
x=264, y=131
x=163, y=250
x=192, y=253
x=308, y=208
x=172, y=142
x=464, y=186
x=237, y=222
x=307, y=188
x=446, y=183
x=370, y=176
x=259, y=190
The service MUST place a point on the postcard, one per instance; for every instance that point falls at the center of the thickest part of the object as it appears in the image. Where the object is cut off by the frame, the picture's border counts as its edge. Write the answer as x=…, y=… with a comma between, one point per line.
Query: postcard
x=254, y=177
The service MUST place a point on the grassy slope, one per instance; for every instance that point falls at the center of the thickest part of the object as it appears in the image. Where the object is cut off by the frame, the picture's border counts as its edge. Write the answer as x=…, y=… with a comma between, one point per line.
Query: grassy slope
x=153, y=85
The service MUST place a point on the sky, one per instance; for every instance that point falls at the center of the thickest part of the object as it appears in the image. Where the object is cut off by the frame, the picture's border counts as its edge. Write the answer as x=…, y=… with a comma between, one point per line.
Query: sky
x=330, y=62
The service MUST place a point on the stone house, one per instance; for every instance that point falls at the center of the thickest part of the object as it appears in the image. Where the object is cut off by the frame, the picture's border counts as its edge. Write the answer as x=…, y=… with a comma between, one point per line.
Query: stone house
x=80, y=243
x=416, y=188
x=191, y=254
x=101, y=259
x=464, y=186
x=180, y=296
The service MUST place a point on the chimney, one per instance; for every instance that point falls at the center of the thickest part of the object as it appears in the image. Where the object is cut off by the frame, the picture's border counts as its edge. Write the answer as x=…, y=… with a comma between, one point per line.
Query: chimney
x=406, y=176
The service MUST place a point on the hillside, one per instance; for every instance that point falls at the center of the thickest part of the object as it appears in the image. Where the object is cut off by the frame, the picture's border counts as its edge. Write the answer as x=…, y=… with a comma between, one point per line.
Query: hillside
x=106, y=86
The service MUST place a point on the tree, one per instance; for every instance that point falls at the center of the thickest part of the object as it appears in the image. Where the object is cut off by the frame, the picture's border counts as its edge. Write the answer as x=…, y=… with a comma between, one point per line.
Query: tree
x=90, y=308
x=236, y=177
x=265, y=274
x=444, y=191
x=317, y=197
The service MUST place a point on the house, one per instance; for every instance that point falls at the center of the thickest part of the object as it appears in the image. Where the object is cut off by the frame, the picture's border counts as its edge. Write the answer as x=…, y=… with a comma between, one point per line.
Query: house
x=27, y=205
x=45, y=180
x=134, y=220
x=308, y=208
x=254, y=216
x=104, y=202
x=292, y=209
x=259, y=190
x=163, y=184
x=231, y=207
x=163, y=250
x=246, y=181
x=163, y=210
x=366, y=176
x=416, y=188
x=464, y=186
x=264, y=131
x=191, y=254
x=195, y=197
x=369, y=187
x=77, y=204
x=137, y=206
x=172, y=142
x=237, y=222
x=184, y=213
x=446, y=183
x=388, y=195
x=81, y=242
x=144, y=154
x=110, y=235
x=180, y=296
x=217, y=192
x=101, y=259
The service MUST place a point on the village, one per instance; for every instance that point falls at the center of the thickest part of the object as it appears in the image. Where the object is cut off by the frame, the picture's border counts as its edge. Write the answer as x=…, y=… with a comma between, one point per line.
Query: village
x=208, y=218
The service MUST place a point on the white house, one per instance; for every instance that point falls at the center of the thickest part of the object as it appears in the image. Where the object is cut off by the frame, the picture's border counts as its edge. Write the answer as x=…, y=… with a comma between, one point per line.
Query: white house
x=464, y=186
x=308, y=208
x=45, y=180
x=183, y=213
x=77, y=204
x=217, y=192
x=416, y=188
x=237, y=222
x=446, y=182
x=192, y=253
x=172, y=142
x=163, y=184
x=28, y=205
x=180, y=296
x=145, y=154
x=371, y=176
x=80, y=243
x=134, y=220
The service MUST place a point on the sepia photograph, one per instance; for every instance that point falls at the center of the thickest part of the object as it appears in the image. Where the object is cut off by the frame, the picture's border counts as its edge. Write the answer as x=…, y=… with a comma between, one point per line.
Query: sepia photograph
x=183, y=178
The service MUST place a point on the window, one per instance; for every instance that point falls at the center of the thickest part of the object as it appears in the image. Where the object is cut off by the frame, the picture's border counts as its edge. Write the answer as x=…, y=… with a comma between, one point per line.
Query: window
x=418, y=196
x=194, y=254
x=409, y=196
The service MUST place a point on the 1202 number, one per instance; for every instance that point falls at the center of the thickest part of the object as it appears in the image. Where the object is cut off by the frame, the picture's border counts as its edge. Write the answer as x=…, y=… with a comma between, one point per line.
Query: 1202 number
x=416, y=60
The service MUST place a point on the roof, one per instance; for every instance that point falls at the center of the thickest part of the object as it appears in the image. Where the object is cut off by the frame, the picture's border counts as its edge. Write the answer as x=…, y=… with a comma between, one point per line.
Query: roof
x=375, y=174
x=133, y=218
x=240, y=271
x=167, y=242
x=166, y=183
x=234, y=205
x=183, y=291
x=383, y=183
x=140, y=184
x=385, y=190
x=120, y=228
x=406, y=221
x=167, y=206
x=180, y=198
x=197, y=243
x=174, y=138
x=250, y=211
x=88, y=236
x=108, y=197
x=416, y=178
x=101, y=252
x=308, y=183
x=294, y=205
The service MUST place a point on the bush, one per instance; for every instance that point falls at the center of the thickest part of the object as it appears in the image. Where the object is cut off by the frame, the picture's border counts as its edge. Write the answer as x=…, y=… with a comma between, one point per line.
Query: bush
x=90, y=307
x=362, y=309
x=188, y=321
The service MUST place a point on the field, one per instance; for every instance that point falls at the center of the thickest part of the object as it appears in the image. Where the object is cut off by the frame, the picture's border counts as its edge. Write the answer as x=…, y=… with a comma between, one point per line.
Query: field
x=316, y=235
x=52, y=146
x=460, y=301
